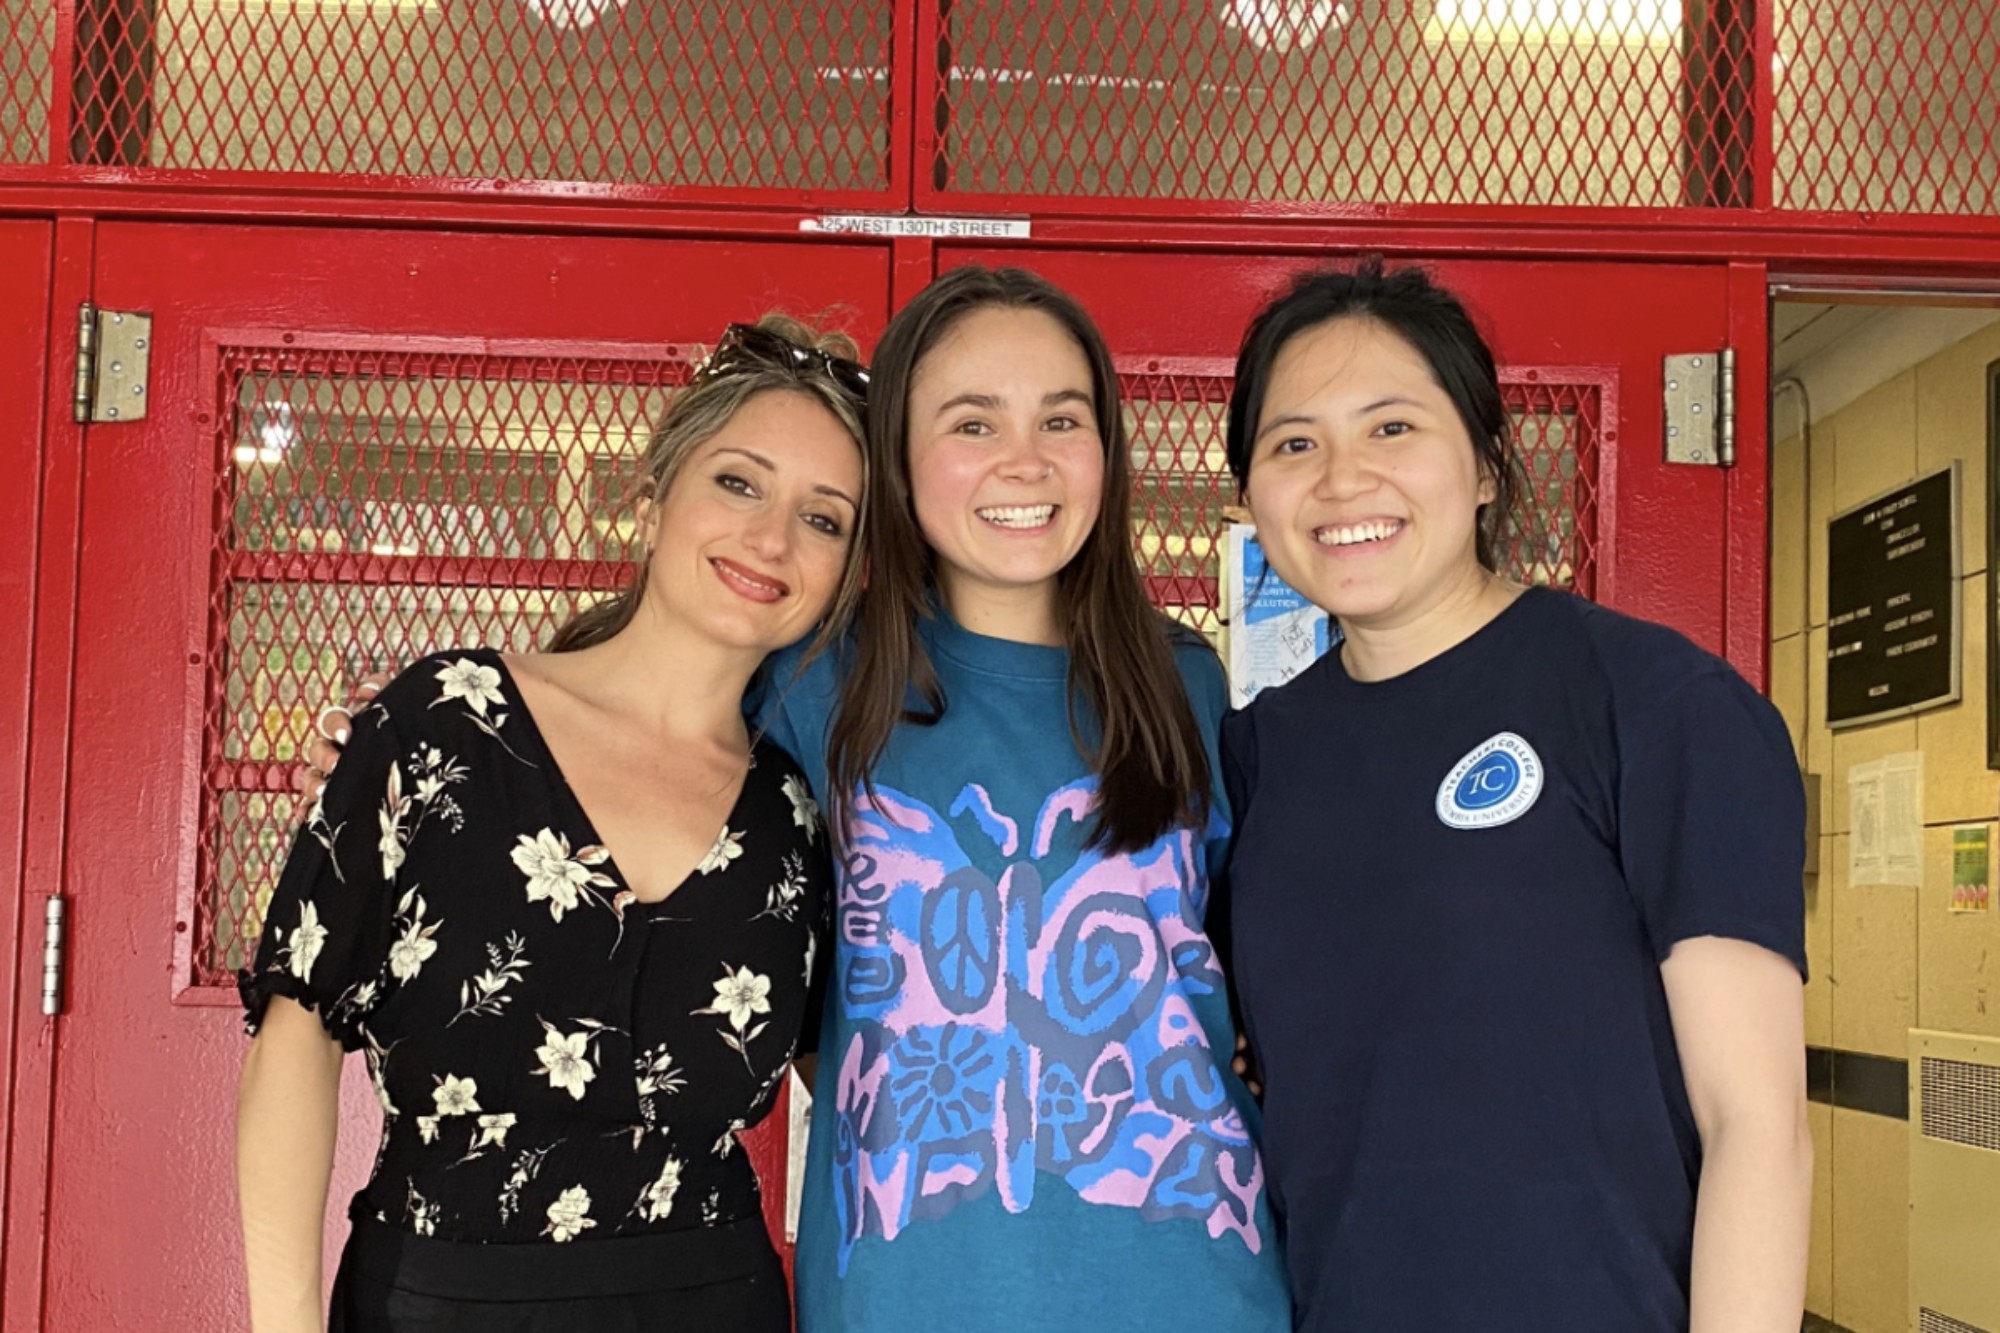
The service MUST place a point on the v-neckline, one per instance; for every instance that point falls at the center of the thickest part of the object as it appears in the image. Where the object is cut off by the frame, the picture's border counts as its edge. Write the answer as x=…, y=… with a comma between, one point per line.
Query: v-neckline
x=581, y=814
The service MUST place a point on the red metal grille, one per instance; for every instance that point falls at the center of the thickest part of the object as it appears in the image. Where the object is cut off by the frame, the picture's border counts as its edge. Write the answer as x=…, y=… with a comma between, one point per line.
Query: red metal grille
x=720, y=94
x=1598, y=102
x=1892, y=107
x=1175, y=425
x=372, y=507
x=27, y=37
x=1556, y=432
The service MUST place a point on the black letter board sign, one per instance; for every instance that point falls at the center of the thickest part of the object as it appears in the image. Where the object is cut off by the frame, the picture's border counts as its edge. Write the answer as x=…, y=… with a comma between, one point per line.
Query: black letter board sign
x=1892, y=603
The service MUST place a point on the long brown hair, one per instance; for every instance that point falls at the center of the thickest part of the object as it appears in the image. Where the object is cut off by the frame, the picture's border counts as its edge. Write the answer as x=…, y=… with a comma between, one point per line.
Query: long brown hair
x=694, y=416
x=1152, y=766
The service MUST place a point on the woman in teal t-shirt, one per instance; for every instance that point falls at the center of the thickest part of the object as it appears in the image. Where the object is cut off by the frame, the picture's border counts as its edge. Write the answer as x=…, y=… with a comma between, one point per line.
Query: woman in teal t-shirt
x=1023, y=1115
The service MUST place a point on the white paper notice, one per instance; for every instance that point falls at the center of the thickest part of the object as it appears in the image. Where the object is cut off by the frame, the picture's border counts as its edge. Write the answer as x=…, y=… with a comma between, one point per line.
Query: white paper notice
x=1885, y=804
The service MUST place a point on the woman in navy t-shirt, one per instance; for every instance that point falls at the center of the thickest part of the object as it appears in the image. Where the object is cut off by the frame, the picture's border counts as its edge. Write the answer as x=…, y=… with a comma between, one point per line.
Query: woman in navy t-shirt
x=1516, y=896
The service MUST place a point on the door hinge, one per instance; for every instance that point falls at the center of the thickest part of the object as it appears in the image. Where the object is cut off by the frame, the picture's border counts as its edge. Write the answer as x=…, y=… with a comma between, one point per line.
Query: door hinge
x=113, y=350
x=55, y=950
x=1701, y=408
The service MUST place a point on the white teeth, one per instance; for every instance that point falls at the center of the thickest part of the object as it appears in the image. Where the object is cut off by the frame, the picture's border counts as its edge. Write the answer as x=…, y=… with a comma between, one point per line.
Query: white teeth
x=1353, y=534
x=1018, y=516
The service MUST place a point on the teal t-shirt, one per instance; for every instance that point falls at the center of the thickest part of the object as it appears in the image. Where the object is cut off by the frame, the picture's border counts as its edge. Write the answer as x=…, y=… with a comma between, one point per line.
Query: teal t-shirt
x=1024, y=1115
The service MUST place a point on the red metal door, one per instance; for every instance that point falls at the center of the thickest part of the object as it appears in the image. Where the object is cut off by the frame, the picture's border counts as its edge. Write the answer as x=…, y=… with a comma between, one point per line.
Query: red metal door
x=26, y=256
x=359, y=445
x=1580, y=345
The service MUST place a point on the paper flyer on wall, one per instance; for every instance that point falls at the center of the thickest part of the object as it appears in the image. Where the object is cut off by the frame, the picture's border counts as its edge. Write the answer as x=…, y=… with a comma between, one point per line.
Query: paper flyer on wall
x=1885, y=807
x=1274, y=632
x=1972, y=868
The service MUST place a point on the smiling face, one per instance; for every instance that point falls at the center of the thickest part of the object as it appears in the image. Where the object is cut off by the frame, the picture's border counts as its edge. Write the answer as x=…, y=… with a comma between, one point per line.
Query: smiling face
x=751, y=542
x=1363, y=480
x=1006, y=460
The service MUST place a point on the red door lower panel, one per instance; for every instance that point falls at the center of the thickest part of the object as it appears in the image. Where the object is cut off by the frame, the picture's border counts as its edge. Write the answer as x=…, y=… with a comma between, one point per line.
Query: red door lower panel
x=360, y=446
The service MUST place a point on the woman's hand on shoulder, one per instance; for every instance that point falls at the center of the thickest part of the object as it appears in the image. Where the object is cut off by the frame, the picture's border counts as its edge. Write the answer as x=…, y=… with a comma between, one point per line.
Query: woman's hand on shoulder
x=334, y=725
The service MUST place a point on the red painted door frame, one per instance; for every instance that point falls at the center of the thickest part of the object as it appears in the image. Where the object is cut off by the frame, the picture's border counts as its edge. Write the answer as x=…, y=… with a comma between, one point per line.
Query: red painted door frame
x=27, y=257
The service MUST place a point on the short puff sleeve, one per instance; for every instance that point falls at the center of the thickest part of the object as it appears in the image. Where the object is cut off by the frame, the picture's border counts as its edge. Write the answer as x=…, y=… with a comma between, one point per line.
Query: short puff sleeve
x=327, y=927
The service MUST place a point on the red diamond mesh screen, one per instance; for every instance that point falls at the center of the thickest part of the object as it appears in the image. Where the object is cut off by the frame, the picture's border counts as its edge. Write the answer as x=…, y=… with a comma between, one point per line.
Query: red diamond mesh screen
x=374, y=506
x=27, y=39
x=1224, y=104
x=1892, y=108
x=735, y=94
x=1594, y=102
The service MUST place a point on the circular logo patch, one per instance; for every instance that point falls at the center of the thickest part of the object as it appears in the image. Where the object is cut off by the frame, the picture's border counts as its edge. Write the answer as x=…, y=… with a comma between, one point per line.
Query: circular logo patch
x=1494, y=785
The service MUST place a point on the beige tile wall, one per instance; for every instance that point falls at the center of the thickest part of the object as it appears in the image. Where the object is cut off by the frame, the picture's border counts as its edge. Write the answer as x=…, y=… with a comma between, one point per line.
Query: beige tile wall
x=1883, y=959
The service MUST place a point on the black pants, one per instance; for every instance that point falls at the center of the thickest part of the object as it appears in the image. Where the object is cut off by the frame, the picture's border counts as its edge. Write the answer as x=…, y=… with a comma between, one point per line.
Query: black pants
x=707, y=1280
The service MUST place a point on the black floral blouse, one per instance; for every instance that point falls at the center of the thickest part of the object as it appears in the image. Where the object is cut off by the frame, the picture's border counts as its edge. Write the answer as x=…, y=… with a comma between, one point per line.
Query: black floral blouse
x=555, y=1059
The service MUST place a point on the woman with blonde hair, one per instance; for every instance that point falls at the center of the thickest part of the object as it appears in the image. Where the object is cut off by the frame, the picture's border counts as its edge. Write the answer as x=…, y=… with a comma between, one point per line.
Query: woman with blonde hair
x=568, y=908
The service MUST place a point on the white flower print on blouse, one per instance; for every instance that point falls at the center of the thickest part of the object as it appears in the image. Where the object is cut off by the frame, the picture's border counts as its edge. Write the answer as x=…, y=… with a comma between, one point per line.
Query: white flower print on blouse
x=568, y=1061
x=483, y=997
x=493, y=1130
x=805, y=810
x=423, y=1214
x=306, y=942
x=781, y=900
x=527, y=1166
x=414, y=946
x=728, y=846
x=402, y=815
x=656, y=1203
x=657, y=1076
x=569, y=1216
x=560, y=879
x=456, y=1096
x=477, y=684
x=739, y=996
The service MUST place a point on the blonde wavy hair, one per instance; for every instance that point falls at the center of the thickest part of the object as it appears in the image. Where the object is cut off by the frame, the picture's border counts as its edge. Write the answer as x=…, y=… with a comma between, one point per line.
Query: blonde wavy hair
x=695, y=416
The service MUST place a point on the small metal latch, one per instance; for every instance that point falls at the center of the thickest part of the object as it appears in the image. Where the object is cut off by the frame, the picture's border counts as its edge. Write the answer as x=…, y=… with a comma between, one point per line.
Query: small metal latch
x=113, y=353
x=1701, y=408
x=54, y=939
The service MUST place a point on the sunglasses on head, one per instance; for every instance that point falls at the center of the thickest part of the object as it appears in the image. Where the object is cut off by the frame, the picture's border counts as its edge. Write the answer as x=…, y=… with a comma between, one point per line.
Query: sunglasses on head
x=744, y=346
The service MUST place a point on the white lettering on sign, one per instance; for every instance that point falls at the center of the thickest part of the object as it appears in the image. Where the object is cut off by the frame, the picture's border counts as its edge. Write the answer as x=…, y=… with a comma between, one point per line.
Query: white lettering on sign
x=1908, y=548
x=932, y=228
x=1874, y=514
x=1899, y=599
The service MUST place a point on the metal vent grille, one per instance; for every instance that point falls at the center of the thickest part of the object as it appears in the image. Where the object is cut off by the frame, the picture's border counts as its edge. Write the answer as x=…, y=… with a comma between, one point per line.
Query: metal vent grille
x=27, y=39
x=1888, y=107
x=374, y=506
x=1175, y=425
x=1930, y=1321
x=721, y=94
x=1594, y=102
x=1961, y=1102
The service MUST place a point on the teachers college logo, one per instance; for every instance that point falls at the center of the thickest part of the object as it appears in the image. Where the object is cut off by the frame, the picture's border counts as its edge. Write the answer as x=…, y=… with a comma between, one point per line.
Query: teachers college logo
x=1494, y=785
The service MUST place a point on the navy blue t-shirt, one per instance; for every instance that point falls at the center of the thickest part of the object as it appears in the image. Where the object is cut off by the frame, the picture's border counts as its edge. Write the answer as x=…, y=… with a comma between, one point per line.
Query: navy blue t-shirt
x=1449, y=898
